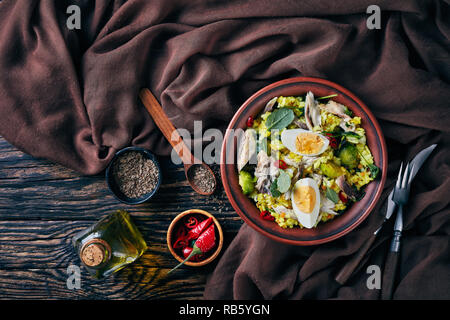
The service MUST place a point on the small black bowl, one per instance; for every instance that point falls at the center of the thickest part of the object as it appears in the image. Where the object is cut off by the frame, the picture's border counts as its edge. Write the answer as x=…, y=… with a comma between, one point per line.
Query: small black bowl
x=115, y=188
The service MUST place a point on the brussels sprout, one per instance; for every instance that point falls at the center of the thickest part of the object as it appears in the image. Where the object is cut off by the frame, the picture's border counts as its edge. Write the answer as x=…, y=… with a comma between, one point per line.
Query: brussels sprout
x=349, y=156
x=247, y=182
x=331, y=170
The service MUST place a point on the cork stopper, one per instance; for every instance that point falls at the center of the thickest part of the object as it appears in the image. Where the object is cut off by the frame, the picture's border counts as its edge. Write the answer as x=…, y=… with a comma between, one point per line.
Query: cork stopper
x=94, y=253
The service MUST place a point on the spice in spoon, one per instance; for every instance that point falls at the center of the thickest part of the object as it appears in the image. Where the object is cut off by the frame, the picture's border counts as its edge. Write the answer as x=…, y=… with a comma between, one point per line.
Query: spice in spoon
x=135, y=174
x=202, y=178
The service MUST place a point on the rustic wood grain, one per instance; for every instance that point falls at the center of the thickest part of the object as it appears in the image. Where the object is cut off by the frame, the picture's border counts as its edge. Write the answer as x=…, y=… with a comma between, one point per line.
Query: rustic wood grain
x=42, y=205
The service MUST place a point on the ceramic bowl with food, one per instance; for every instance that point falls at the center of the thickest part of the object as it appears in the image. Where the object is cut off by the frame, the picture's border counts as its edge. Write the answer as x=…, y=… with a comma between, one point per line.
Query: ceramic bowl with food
x=188, y=227
x=309, y=165
x=133, y=175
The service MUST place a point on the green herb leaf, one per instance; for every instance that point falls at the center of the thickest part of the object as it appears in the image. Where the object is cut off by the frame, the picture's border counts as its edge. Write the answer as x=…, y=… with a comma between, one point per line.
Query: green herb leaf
x=348, y=112
x=374, y=170
x=350, y=134
x=274, y=189
x=280, y=119
x=332, y=195
x=283, y=181
x=328, y=97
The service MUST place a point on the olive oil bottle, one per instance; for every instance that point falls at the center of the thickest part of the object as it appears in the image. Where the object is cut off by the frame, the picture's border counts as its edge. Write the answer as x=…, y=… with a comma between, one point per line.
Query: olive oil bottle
x=110, y=244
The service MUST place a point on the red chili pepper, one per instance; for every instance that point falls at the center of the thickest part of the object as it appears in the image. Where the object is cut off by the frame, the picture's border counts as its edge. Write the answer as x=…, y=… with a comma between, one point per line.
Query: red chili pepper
x=250, y=121
x=191, y=222
x=187, y=251
x=281, y=164
x=203, y=244
x=181, y=233
x=343, y=197
x=199, y=229
x=181, y=243
x=266, y=216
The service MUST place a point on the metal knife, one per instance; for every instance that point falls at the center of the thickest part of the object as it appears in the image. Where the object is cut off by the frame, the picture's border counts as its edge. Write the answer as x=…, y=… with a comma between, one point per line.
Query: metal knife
x=348, y=269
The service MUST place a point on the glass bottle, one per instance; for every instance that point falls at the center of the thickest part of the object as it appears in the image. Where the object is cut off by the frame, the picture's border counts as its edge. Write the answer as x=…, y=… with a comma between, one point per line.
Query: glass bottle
x=109, y=245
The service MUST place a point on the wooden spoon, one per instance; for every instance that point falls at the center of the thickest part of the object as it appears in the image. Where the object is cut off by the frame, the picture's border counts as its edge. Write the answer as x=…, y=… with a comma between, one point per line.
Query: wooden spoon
x=168, y=130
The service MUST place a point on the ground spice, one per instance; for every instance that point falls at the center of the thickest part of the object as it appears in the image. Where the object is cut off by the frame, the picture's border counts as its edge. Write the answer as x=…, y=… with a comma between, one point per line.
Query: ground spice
x=135, y=174
x=203, y=178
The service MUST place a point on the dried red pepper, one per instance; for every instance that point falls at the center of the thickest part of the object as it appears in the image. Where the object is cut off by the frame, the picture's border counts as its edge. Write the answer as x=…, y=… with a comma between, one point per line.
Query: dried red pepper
x=333, y=141
x=191, y=222
x=266, y=216
x=199, y=229
x=181, y=243
x=343, y=197
x=203, y=244
x=250, y=122
x=181, y=233
x=281, y=164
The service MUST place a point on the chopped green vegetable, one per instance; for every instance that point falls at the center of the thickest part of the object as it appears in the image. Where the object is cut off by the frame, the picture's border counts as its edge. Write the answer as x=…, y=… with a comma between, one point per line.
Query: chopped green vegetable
x=349, y=155
x=280, y=119
x=348, y=112
x=247, y=182
x=332, y=195
x=374, y=170
x=350, y=134
x=274, y=189
x=331, y=170
x=299, y=112
x=283, y=181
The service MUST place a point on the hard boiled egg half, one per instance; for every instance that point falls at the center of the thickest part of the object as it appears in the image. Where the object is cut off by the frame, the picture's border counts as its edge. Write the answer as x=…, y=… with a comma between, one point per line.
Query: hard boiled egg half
x=306, y=201
x=304, y=142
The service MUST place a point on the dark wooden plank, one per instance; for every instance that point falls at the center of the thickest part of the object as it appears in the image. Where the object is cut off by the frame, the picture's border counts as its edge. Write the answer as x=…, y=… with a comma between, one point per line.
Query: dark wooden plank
x=42, y=205
x=130, y=283
x=47, y=244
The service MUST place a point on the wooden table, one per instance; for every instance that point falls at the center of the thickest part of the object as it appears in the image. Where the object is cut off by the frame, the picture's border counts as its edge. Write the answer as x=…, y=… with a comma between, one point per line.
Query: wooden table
x=42, y=205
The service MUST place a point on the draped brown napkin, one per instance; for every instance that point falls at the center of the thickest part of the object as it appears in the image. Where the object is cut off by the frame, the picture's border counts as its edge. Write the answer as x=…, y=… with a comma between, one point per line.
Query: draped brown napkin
x=71, y=96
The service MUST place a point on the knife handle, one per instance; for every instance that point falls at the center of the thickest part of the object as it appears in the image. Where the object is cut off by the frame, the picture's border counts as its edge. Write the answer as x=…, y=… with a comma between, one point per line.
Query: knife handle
x=390, y=268
x=351, y=265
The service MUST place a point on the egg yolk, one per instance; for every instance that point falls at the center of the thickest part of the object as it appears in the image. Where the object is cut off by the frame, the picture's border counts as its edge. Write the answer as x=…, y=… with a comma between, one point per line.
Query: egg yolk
x=308, y=143
x=305, y=198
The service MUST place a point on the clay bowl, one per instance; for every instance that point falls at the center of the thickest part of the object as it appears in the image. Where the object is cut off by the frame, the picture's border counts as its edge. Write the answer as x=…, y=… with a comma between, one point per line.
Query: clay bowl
x=175, y=224
x=324, y=232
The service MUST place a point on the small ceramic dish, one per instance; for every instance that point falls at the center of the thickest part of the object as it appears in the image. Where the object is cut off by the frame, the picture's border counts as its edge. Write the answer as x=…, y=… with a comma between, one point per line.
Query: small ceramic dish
x=176, y=223
x=112, y=183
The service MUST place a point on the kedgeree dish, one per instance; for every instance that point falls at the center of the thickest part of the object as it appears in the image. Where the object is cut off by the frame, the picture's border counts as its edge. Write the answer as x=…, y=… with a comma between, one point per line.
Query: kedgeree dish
x=304, y=160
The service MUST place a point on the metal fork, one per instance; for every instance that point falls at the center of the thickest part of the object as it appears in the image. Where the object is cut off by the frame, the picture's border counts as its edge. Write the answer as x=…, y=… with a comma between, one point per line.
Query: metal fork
x=400, y=197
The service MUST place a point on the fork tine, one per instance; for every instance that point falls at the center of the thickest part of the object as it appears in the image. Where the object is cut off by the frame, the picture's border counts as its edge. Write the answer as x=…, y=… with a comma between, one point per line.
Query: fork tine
x=399, y=179
x=405, y=177
x=410, y=174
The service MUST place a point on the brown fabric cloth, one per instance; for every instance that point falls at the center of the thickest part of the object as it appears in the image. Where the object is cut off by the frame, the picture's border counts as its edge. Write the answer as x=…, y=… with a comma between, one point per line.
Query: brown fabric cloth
x=71, y=96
